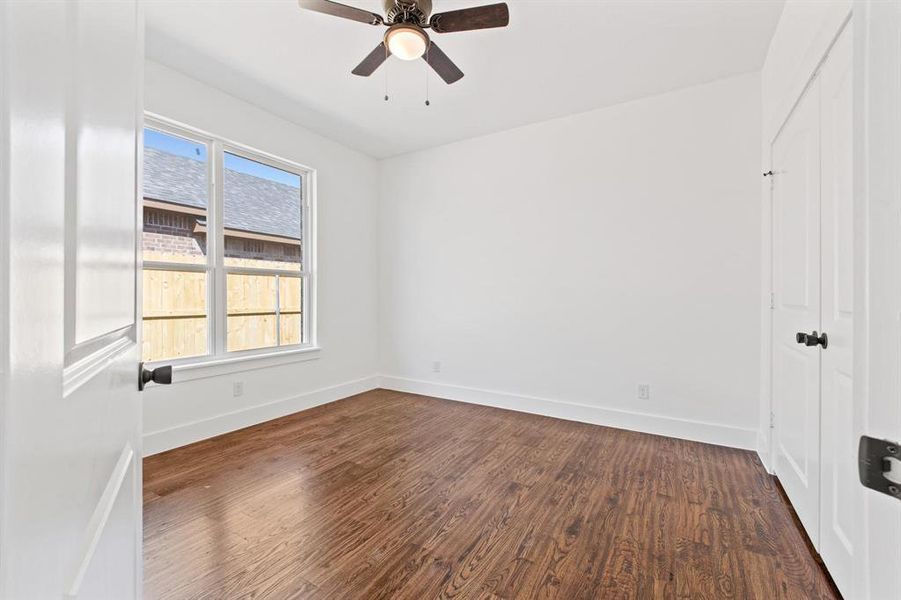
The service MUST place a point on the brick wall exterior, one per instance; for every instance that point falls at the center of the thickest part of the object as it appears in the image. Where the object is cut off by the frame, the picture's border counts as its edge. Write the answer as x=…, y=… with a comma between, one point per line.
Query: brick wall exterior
x=170, y=232
x=259, y=249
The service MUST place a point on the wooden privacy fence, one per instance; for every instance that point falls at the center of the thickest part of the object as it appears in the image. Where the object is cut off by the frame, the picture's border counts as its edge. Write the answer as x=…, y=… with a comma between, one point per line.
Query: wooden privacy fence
x=263, y=310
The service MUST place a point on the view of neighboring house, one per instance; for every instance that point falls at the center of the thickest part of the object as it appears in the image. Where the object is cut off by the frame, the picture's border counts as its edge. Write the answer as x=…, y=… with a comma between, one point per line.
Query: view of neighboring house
x=262, y=238
x=262, y=218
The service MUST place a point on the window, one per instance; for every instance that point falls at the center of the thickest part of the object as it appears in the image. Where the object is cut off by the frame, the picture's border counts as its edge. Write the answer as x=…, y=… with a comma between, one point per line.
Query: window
x=225, y=246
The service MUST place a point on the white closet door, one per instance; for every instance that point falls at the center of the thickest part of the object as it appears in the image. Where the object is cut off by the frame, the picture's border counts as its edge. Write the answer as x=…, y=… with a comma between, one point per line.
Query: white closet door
x=840, y=489
x=796, y=286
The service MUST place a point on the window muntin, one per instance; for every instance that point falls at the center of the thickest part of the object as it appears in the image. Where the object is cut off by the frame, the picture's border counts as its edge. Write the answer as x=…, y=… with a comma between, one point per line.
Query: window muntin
x=244, y=237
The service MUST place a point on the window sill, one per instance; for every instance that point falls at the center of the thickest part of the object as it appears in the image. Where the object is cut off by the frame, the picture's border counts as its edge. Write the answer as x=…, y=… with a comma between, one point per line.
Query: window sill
x=216, y=366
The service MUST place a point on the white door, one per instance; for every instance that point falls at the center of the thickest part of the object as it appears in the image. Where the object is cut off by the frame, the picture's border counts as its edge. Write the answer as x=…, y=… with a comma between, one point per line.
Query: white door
x=71, y=414
x=877, y=299
x=796, y=287
x=840, y=489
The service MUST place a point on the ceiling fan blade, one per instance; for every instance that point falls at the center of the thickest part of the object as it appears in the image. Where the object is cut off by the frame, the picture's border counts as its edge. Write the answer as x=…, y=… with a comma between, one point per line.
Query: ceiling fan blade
x=467, y=19
x=443, y=65
x=341, y=10
x=372, y=62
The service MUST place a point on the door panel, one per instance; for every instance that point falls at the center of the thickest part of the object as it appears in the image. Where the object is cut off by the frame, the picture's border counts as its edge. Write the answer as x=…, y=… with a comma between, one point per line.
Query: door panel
x=102, y=118
x=840, y=492
x=796, y=368
x=104, y=473
x=71, y=413
x=794, y=442
x=795, y=236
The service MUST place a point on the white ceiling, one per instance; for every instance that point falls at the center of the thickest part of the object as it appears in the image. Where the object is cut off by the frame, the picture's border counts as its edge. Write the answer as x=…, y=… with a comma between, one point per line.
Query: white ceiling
x=557, y=57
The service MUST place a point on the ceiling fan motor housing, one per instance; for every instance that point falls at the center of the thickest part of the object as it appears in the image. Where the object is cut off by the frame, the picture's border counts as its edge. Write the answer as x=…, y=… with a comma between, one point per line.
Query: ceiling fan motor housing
x=408, y=11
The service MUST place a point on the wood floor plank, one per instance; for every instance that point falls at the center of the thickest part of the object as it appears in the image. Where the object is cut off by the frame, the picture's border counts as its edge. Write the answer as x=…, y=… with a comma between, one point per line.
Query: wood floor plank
x=392, y=495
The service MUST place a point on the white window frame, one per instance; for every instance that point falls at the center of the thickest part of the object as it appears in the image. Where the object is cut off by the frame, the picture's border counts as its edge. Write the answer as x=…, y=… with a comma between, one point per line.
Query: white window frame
x=218, y=360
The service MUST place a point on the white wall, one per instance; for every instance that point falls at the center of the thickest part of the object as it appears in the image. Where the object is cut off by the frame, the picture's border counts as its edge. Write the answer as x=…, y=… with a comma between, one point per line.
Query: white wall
x=347, y=202
x=549, y=268
x=803, y=36
x=553, y=267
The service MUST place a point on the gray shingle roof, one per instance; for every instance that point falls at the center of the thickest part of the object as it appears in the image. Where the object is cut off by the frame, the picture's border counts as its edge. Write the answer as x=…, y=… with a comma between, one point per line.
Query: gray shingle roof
x=251, y=203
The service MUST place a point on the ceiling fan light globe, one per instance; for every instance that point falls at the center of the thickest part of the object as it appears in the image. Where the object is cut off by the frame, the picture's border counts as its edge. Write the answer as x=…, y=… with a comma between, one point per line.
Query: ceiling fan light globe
x=406, y=42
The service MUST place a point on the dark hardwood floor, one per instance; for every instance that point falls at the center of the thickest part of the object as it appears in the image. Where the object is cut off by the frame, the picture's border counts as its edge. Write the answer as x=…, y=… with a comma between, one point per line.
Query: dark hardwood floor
x=390, y=495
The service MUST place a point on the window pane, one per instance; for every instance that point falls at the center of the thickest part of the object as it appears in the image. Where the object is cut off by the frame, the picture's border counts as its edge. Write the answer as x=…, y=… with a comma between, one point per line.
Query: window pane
x=176, y=196
x=262, y=215
x=251, y=312
x=290, y=296
x=264, y=311
x=175, y=316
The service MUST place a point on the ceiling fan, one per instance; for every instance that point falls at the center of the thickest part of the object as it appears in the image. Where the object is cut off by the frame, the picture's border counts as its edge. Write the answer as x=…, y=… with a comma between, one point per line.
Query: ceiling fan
x=406, y=38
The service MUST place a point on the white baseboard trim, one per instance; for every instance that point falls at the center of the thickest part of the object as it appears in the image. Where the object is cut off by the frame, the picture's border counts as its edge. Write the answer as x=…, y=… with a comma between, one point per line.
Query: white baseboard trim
x=699, y=431
x=712, y=433
x=195, y=431
x=763, y=452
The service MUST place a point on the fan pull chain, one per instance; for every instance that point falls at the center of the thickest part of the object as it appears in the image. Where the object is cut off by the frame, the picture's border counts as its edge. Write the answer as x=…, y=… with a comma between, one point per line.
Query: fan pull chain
x=427, y=65
x=385, y=70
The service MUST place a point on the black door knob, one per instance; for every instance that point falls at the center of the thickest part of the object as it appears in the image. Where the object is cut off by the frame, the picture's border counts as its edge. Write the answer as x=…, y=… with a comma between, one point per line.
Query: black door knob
x=161, y=375
x=812, y=339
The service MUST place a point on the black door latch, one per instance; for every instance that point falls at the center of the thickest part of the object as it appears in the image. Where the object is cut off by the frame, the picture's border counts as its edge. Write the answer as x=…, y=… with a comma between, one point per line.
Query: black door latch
x=874, y=460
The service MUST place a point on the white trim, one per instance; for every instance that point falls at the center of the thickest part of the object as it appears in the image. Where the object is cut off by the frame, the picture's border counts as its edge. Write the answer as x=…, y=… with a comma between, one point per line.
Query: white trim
x=82, y=350
x=807, y=67
x=79, y=373
x=212, y=366
x=310, y=259
x=100, y=517
x=188, y=433
x=763, y=453
x=5, y=268
x=686, y=429
x=186, y=267
x=229, y=270
x=217, y=280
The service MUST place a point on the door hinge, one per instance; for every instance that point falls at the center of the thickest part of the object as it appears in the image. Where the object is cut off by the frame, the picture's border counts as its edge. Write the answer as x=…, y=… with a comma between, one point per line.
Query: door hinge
x=772, y=300
x=772, y=420
x=770, y=174
x=879, y=465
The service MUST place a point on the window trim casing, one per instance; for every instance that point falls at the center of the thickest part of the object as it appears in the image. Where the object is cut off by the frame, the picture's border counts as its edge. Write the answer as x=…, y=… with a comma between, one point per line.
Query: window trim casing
x=217, y=359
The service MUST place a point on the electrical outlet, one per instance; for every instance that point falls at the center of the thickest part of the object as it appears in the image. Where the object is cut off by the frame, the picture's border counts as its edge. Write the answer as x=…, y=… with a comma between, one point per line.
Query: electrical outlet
x=436, y=366
x=644, y=391
x=238, y=388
